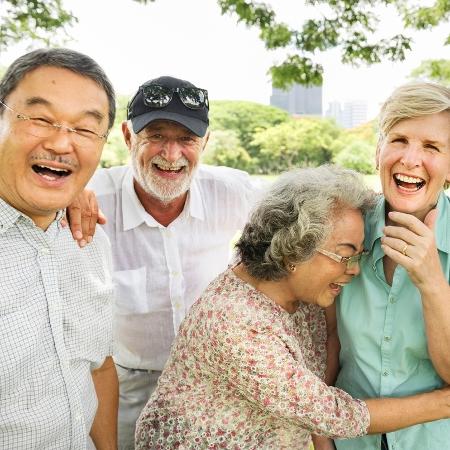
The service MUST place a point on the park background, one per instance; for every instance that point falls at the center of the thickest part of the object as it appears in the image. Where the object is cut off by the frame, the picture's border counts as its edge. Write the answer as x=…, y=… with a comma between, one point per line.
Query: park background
x=237, y=50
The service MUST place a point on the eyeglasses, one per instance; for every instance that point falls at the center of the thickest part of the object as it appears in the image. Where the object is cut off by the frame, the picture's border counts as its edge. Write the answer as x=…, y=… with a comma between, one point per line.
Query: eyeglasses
x=157, y=96
x=41, y=127
x=350, y=261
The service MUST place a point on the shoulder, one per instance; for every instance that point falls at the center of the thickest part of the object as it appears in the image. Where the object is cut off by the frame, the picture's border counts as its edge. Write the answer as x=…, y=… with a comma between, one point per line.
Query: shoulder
x=108, y=181
x=227, y=181
x=231, y=304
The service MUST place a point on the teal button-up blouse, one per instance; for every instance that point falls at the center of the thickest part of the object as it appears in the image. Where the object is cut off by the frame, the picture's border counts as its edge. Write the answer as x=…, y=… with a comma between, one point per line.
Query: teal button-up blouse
x=383, y=341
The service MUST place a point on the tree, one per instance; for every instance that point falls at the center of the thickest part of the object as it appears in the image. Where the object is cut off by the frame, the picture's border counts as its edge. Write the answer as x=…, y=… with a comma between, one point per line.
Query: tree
x=116, y=152
x=347, y=24
x=359, y=155
x=437, y=70
x=224, y=149
x=296, y=143
x=355, y=148
x=32, y=19
x=245, y=119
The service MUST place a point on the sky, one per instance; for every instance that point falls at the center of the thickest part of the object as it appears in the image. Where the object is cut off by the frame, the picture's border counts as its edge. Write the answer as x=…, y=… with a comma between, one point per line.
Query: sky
x=190, y=39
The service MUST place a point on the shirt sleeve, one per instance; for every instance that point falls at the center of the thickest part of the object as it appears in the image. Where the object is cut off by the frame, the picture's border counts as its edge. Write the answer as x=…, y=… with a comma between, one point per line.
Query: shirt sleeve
x=262, y=368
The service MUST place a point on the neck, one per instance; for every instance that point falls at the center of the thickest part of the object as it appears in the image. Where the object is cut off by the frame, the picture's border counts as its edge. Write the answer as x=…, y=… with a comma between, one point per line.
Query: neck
x=163, y=212
x=277, y=291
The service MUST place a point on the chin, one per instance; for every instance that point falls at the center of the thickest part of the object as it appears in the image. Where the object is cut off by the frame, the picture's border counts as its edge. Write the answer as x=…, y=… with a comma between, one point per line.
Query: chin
x=324, y=302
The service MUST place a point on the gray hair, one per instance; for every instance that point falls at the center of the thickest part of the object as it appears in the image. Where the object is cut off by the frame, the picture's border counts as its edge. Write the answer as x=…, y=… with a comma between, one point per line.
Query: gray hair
x=296, y=216
x=65, y=59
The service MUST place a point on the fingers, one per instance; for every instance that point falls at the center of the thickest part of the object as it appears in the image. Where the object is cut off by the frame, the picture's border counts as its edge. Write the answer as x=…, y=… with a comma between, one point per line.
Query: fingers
x=83, y=215
x=73, y=214
x=93, y=217
x=413, y=223
x=101, y=218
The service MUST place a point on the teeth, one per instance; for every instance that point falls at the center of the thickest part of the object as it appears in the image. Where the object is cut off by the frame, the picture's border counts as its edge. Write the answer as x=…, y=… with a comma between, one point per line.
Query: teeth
x=52, y=168
x=174, y=169
x=407, y=179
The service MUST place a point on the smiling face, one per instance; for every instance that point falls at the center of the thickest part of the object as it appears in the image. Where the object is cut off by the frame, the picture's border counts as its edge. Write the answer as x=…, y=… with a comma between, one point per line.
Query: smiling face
x=414, y=163
x=39, y=176
x=319, y=279
x=164, y=157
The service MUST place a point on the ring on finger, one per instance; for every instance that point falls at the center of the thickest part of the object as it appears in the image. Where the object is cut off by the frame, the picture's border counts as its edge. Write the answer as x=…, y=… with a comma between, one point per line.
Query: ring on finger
x=403, y=251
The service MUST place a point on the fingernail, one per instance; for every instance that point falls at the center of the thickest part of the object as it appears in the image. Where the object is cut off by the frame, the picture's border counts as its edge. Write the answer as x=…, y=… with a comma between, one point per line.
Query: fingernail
x=78, y=235
x=89, y=239
x=82, y=243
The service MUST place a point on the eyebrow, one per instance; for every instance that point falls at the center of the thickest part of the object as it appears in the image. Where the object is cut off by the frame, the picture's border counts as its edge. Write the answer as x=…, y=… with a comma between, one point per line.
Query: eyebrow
x=97, y=115
x=347, y=245
x=426, y=141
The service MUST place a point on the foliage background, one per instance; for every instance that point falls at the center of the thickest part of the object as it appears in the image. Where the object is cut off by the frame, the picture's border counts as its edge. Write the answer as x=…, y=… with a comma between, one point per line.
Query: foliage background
x=265, y=140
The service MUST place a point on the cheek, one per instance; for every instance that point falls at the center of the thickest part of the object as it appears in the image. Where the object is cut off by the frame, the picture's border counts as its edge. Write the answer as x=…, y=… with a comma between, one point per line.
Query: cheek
x=193, y=156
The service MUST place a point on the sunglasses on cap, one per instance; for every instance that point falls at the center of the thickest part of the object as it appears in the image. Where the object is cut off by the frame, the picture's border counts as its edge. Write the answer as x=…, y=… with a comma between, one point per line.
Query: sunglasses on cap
x=157, y=96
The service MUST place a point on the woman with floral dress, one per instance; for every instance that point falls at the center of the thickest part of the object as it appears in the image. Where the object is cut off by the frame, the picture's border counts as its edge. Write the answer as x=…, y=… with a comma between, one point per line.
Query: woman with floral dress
x=248, y=367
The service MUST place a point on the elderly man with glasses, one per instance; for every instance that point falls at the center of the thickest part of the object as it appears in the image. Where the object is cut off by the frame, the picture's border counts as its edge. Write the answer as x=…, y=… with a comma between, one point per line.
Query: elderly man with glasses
x=58, y=383
x=170, y=222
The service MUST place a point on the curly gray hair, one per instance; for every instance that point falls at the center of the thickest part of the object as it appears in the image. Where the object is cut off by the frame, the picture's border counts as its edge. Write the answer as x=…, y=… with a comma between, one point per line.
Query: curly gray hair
x=296, y=216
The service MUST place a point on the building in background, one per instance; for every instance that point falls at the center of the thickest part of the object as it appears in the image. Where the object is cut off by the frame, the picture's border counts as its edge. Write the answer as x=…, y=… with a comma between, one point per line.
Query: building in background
x=349, y=114
x=298, y=100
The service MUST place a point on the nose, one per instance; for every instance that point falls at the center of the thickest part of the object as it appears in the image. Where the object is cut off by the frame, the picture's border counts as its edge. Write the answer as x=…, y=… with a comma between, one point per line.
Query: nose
x=412, y=157
x=59, y=141
x=171, y=150
x=354, y=269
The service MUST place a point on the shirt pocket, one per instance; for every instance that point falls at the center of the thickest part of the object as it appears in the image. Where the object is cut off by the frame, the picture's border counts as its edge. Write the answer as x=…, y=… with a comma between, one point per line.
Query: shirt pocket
x=131, y=291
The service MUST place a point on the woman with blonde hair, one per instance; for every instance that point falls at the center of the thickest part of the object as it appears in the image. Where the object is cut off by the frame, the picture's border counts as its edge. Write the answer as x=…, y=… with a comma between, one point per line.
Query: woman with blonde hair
x=394, y=319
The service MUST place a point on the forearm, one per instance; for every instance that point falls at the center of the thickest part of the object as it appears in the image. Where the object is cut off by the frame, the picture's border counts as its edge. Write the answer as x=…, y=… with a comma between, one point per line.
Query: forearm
x=436, y=311
x=331, y=371
x=333, y=346
x=104, y=428
x=390, y=414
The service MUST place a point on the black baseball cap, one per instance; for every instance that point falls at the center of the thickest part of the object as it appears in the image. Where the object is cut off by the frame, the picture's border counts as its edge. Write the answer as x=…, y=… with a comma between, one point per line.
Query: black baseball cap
x=141, y=114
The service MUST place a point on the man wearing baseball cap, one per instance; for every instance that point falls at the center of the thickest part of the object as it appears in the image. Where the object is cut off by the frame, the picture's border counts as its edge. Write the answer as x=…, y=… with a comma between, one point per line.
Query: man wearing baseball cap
x=170, y=222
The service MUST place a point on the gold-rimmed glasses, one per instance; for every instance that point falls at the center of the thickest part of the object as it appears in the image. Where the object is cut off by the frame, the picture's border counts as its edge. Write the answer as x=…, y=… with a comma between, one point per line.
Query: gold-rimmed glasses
x=350, y=261
x=44, y=128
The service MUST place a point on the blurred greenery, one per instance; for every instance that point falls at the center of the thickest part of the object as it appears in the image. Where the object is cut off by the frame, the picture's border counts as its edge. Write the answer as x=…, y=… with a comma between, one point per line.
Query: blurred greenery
x=437, y=70
x=265, y=140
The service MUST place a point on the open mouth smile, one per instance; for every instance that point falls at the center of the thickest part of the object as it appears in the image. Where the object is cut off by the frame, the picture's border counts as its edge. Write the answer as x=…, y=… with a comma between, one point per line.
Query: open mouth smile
x=168, y=169
x=50, y=173
x=408, y=183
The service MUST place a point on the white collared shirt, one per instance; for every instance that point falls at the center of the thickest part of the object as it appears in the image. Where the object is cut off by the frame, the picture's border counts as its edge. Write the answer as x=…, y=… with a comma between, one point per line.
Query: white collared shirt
x=55, y=328
x=160, y=271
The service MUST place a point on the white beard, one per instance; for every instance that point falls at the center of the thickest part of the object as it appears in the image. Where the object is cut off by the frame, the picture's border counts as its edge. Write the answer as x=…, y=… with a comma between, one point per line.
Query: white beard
x=163, y=189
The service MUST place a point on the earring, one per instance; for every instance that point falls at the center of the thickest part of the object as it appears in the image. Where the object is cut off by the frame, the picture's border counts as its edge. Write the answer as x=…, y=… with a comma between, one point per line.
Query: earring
x=291, y=267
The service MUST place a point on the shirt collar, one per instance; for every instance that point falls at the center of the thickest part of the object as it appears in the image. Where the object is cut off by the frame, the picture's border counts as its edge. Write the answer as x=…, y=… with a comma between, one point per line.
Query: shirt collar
x=134, y=214
x=375, y=222
x=442, y=230
x=10, y=215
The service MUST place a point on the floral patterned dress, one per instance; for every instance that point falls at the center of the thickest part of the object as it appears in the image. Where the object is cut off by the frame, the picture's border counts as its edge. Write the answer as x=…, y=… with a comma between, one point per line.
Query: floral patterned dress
x=245, y=374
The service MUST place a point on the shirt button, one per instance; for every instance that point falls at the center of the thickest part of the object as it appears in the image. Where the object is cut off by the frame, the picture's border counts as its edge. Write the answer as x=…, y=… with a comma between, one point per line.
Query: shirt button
x=391, y=299
x=385, y=373
x=175, y=274
x=387, y=338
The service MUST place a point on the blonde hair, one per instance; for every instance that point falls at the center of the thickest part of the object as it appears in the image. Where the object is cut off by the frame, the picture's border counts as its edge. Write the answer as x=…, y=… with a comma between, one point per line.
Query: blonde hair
x=415, y=99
